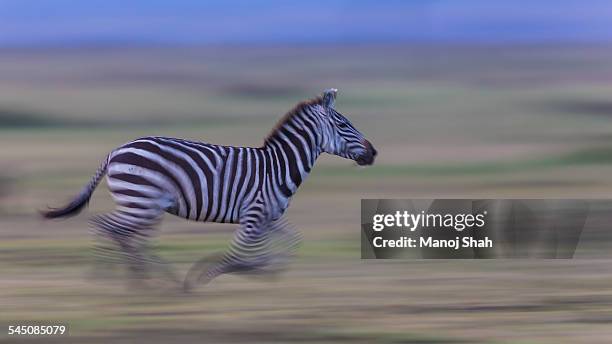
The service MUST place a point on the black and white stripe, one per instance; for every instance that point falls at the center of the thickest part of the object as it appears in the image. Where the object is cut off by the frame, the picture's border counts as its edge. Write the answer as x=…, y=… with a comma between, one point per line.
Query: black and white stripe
x=211, y=183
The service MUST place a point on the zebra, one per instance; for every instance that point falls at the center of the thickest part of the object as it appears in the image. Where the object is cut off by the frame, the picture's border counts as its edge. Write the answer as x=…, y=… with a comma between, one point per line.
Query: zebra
x=249, y=186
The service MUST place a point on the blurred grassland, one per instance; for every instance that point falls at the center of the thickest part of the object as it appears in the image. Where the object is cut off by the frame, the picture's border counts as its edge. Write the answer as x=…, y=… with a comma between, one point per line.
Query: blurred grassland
x=448, y=121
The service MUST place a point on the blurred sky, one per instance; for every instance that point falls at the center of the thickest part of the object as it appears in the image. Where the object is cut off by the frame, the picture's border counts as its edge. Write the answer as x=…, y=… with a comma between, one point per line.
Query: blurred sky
x=25, y=22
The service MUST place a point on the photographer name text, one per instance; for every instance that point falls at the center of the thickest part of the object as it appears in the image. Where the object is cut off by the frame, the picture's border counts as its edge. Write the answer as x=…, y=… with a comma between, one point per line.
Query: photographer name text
x=406, y=221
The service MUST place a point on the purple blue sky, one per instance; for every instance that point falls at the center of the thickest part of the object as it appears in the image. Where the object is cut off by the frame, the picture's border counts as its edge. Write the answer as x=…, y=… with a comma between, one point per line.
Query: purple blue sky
x=31, y=22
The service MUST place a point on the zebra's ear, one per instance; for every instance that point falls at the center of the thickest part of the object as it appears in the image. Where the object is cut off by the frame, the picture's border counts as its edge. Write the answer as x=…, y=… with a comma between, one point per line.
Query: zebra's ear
x=329, y=97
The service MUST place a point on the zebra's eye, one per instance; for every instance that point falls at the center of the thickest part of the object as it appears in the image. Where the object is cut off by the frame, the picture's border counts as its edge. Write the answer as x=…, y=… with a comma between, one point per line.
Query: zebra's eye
x=342, y=125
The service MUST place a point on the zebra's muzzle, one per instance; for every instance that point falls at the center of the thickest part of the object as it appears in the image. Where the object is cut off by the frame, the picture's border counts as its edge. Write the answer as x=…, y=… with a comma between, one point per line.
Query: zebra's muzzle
x=368, y=157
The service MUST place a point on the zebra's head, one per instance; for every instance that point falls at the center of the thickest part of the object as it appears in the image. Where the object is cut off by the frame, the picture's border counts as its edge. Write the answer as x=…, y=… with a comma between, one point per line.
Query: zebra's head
x=341, y=138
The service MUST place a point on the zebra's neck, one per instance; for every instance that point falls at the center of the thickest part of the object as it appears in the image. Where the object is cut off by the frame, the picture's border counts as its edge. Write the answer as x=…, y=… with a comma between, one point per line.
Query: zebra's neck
x=294, y=149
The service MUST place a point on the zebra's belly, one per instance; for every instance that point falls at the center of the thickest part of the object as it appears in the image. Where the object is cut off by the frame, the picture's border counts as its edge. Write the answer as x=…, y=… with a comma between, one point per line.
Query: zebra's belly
x=206, y=217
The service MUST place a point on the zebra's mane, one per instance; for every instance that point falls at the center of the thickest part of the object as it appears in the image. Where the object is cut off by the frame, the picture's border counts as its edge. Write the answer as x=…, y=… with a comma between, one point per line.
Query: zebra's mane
x=296, y=110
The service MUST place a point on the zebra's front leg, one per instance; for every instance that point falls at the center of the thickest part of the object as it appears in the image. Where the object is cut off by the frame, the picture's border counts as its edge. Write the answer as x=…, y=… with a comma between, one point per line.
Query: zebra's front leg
x=262, y=250
x=248, y=252
x=283, y=240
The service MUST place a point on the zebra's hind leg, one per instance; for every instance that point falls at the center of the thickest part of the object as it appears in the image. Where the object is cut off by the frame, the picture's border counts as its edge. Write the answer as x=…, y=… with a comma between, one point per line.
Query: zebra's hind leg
x=127, y=238
x=130, y=234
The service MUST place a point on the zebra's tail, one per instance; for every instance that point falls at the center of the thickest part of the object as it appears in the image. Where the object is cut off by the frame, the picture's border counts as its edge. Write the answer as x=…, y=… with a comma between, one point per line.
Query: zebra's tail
x=81, y=200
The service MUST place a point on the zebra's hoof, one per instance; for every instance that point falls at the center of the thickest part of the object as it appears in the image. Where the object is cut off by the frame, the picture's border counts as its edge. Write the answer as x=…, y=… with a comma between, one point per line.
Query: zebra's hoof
x=202, y=272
